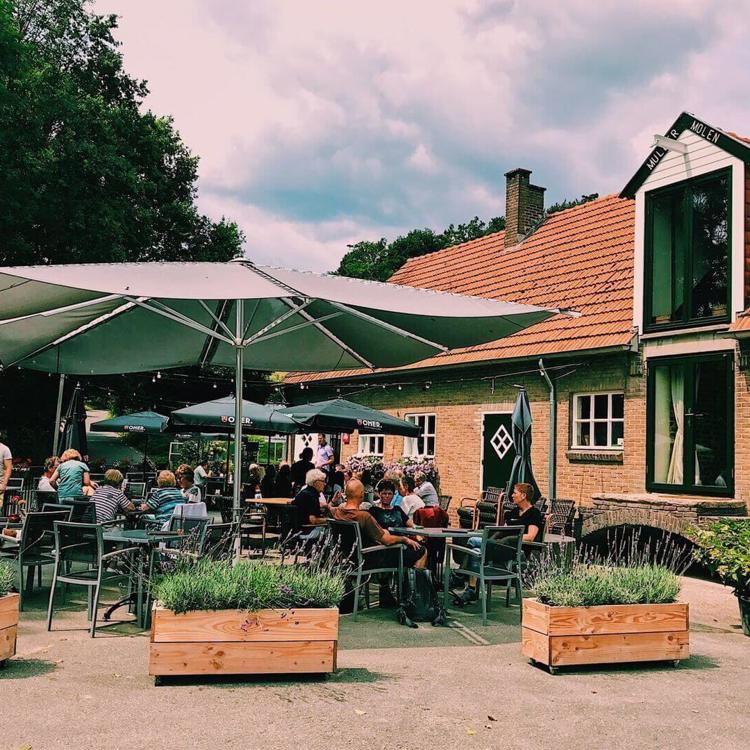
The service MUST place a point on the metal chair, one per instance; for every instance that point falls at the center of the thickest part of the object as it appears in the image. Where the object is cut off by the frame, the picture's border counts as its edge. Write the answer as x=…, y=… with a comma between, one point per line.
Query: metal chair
x=35, y=547
x=444, y=501
x=345, y=538
x=467, y=512
x=219, y=540
x=498, y=560
x=563, y=513
x=82, y=544
x=135, y=490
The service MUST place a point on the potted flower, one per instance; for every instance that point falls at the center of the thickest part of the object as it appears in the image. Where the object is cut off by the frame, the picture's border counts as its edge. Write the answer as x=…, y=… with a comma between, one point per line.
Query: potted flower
x=211, y=617
x=586, y=613
x=8, y=611
x=724, y=547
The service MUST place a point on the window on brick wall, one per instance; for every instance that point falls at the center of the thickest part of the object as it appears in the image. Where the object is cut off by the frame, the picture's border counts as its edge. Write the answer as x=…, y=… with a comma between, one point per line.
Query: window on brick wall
x=598, y=421
x=371, y=445
x=424, y=444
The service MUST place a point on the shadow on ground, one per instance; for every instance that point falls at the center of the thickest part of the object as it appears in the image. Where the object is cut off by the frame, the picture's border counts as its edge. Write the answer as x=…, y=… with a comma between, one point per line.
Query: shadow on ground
x=379, y=628
x=19, y=668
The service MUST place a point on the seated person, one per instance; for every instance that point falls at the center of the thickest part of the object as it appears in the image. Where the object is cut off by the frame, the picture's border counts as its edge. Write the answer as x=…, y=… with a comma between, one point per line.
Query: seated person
x=109, y=499
x=268, y=481
x=524, y=514
x=282, y=487
x=410, y=501
x=49, y=469
x=308, y=499
x=415, y=555
x=384, y=512
x=426, y=490
x=190, y=491
x=163, y=500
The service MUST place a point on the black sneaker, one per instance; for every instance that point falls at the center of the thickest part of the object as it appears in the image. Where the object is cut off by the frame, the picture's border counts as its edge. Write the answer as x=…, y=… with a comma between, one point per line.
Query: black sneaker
x=468, y=595
x=386, y=598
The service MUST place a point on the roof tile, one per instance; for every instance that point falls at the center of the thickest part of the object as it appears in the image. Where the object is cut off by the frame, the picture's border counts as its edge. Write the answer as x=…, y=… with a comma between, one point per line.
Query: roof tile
x=581, y=258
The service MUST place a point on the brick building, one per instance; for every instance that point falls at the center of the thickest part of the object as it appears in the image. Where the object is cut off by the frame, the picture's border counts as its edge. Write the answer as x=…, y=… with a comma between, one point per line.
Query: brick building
x=648, y=387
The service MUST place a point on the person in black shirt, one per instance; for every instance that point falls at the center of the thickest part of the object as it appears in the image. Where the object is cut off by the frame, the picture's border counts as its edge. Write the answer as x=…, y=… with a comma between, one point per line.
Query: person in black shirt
x=282, y=487
x=268, y=481
x=308, y=499
x=387, y=515
x=300, y=469
x=524, y=514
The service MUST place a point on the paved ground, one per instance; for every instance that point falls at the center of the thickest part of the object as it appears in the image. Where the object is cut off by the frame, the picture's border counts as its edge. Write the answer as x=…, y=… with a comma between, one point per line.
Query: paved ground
x=464, y=686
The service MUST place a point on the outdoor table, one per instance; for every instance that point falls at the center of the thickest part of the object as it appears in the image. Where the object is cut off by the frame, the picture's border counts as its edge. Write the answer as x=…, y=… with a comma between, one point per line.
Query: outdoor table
x=145, y=541
x=441, y=532
x=438, y=532
x=270, y=500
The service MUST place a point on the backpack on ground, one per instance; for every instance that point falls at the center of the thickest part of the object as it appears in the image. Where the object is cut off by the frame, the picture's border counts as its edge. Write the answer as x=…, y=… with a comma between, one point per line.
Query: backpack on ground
x=419, y=600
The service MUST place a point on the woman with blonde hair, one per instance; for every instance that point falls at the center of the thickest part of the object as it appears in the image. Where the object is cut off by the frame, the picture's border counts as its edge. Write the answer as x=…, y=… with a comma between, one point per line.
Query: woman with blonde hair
x=71, y=477
x=163, y=501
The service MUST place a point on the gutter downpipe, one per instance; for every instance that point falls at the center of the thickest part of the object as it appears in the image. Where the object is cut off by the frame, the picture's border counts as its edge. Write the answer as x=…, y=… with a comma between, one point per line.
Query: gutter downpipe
x=552, y=460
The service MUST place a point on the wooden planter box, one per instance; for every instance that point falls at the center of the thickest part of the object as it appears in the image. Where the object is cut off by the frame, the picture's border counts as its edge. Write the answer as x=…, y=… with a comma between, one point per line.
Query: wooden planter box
x=230, y=642
x=8, y=626
x=562, y=636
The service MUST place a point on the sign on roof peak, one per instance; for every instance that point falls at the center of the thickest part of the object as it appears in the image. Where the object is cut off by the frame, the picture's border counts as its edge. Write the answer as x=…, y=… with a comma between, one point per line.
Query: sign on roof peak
x=686, y=121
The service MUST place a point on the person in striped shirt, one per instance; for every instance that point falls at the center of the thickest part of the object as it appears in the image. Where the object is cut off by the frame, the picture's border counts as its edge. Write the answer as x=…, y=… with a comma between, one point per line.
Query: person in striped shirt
x=109, y=499
x=162, y=502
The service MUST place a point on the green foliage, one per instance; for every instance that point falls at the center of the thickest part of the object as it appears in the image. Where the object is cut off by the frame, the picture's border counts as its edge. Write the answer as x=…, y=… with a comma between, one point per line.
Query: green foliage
x=379, y=260
x=249, y=585
x=589, y=585
x=86, y=174
x=7, y=576
x=566, y=204
x=724, y=547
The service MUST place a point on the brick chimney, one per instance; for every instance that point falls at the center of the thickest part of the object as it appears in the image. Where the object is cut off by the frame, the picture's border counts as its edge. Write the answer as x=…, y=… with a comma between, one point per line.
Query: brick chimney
x=524, y=205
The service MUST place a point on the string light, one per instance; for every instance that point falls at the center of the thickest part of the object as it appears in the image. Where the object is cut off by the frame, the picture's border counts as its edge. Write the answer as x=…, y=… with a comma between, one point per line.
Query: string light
x=158, y=374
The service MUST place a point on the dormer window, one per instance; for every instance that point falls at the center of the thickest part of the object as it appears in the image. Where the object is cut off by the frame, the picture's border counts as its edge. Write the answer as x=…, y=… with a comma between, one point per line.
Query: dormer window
x=687, y=256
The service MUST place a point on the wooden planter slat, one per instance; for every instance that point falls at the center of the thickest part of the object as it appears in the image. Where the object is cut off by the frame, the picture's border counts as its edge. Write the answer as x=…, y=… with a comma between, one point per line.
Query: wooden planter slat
x=606, y=649
x=8, y=625
x=560, y=636
x=231, y=642
x=225, y=625
x=172, y=659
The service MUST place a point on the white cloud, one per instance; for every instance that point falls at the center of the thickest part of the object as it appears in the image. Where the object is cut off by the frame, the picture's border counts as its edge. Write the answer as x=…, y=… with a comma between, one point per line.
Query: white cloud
x=319, y=124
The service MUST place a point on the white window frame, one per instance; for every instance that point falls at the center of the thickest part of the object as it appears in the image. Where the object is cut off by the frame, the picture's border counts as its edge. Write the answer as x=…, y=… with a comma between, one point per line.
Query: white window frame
x=368, y=445
x=412, y=445
x=609, y=420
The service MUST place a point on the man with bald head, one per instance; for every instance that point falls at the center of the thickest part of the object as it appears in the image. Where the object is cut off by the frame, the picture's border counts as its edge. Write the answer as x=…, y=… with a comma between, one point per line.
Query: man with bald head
x=415, y=554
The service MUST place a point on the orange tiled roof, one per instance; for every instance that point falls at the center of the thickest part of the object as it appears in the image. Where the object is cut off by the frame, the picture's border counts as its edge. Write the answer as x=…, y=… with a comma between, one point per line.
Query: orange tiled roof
x=581, y=258
x=742, y=324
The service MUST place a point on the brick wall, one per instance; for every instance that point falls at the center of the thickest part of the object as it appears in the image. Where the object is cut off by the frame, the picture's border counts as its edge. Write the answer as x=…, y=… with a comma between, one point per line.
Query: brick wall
x=459, y=407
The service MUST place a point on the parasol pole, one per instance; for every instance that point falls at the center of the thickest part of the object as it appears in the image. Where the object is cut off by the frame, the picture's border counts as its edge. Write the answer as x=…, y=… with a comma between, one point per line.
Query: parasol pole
x=58, y=415
x=239, y=351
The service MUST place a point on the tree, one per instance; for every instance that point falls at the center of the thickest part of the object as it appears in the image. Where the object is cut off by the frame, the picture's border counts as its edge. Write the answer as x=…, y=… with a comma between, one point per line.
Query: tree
x=86, y=175
x=379, y=260
x=566, y=204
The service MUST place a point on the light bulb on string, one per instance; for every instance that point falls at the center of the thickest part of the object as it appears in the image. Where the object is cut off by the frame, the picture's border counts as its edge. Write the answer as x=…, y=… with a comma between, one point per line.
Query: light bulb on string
x=158, y=374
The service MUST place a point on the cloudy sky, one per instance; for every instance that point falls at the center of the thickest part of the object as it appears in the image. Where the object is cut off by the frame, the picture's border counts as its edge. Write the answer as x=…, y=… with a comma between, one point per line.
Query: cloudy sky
x=323, y=122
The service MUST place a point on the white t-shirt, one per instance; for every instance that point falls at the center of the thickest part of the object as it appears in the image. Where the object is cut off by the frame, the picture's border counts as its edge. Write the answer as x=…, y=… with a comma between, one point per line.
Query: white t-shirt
x=44, y=485
x=5, y=455
x=200, y=476
x=411, y=503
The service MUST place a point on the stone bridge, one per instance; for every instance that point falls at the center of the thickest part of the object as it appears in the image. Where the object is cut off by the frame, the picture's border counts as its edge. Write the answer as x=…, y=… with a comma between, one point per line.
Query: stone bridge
x=670, y=513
